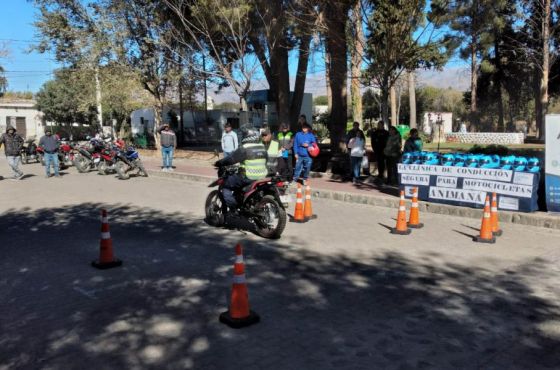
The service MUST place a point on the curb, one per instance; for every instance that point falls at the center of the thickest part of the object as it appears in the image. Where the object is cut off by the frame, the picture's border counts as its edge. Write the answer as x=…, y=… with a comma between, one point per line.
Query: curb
x=538, y=219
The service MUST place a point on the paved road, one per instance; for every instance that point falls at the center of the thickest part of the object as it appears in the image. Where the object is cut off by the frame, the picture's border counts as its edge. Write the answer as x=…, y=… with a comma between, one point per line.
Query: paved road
x=336, y=293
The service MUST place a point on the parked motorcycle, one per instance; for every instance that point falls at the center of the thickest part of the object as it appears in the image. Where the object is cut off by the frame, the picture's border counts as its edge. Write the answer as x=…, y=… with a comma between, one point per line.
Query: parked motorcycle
x=88, y=157
x=128, y=161
x=261, y=202
x=29, y=152
x=66, y=153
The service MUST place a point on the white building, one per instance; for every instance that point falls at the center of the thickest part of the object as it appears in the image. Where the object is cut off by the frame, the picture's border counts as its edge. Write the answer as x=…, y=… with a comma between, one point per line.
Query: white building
x=433, y=120
x=22, y=115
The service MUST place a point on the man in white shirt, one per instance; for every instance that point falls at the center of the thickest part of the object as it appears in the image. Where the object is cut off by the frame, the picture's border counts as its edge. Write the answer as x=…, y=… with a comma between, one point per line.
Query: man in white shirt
x=229, y=140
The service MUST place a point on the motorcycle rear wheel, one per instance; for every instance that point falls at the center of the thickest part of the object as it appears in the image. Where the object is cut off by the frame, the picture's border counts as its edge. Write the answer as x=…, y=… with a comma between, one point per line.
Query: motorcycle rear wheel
x=81, y=163
x=214, y=209
x=102, y=168
x=141, y=168
x=121, y=168
x=272, y=219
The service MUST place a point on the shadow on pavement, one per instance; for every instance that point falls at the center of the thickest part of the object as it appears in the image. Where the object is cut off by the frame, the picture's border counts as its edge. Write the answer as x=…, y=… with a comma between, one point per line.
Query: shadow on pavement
x=160, y=309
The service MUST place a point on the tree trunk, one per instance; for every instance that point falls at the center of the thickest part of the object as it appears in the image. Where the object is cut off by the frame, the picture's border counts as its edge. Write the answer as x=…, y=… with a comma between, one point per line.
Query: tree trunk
x=181, y=113
x=299, y=86
x=474, y=76
x=158, y=112
x=98, y=98
x=385, y=104
x=357, y=53
x=394, y=118
x=412, y=99
x=328, y=80
x=281, y=75
x=338, y=71
x=543, y=88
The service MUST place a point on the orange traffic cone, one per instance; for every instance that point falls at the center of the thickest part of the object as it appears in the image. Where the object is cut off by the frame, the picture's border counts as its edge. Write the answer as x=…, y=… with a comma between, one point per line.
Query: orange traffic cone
x=401, y=228
x=486, y=235
x=414, y=220
x=494, y=216
x=239, y=315
x=106, y=259
x=307, y=207
x=298, y=213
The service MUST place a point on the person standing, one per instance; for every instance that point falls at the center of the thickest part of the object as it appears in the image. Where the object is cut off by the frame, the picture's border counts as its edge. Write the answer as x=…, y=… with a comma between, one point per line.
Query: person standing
x=357, y=146
x=379, y=139
x=302, y=141
x=50, y=145
x=13, y=143
x=393, y=153
x=353, y=132
x=229, y=140
x=168, y=141
x=286, y=140
x=272, y=150
x=413, y=143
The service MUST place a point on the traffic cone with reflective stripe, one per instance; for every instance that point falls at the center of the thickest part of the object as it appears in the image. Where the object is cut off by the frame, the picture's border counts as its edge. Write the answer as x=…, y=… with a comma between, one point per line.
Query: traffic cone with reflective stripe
x=239, y=315
x=494, y=217
x=106, y=259
x=298, y=213
x=401, y=228
x=414, y=219
x=307, y=207
x=486, y=235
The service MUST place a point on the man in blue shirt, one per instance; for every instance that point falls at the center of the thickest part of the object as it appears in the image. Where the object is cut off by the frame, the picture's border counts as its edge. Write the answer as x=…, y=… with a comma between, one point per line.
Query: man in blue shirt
x=303, y=140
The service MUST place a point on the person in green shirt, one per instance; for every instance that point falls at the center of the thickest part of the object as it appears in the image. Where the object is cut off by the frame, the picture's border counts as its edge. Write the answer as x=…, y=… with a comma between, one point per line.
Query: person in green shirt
x=413, y=143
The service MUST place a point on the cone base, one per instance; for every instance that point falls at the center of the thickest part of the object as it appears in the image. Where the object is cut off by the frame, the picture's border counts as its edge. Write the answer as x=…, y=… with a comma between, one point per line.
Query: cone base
x=313, y=217
x=106, y=265
x=400, y=232
x=226, y=318
x=298, y=221
x=416, y=226
x=478, y=239
x=497, y=233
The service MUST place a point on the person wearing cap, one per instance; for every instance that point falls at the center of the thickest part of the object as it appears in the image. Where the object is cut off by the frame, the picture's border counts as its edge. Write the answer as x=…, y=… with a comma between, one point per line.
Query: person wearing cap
x=273, y=151
x=50, y=145
x=229, y=140
x=13, y=143
x=168, y=145
x=286, y=140
x=302, y=141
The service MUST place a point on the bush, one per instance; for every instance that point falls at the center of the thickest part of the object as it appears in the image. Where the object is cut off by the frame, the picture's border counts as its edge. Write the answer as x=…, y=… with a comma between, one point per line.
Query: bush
x=489, y=150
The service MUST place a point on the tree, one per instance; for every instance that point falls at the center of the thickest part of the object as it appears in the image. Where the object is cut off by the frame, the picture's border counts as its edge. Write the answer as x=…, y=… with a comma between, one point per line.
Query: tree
x=470, y=23
x=399, y=41
x=320, y=100
x=62, y=99
x=3, y=82
x=356, y=42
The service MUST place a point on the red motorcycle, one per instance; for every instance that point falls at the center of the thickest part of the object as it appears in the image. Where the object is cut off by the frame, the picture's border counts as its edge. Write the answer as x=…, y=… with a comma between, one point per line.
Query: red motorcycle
x=261, y=202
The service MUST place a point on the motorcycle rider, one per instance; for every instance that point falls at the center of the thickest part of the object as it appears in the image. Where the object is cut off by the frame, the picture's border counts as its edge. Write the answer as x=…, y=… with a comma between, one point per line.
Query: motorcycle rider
x=252, y=156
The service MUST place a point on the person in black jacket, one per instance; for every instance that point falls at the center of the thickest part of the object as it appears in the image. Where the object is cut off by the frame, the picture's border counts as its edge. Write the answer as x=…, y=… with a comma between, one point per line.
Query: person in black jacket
x=379, y=139
x=13, y=143
x=50, y=145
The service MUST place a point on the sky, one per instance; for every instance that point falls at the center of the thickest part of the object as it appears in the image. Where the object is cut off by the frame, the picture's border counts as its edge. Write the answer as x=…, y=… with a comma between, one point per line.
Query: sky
x=28, y=71
x=25, y=71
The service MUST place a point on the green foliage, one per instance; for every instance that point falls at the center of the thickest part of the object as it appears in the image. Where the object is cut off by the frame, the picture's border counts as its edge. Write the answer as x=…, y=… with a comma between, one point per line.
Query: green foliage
x=320, y=100
x=18, y=95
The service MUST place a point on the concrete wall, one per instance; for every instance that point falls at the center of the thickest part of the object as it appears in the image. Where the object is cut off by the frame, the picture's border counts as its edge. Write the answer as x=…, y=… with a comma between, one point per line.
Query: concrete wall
x=10, y=112
x=485, y=138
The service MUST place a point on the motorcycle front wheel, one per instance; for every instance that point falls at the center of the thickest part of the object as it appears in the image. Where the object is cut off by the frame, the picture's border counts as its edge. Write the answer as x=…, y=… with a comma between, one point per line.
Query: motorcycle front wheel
x=121, y=168
x=271, y=219
x=214, y=209
x=102, y=168
x=141, y=168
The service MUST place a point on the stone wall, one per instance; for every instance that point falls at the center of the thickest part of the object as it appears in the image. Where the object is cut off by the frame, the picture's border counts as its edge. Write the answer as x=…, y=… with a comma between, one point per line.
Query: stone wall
x=484, y=138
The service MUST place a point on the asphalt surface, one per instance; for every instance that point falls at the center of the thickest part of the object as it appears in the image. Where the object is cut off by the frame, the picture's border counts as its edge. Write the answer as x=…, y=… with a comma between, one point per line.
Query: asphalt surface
x=339, y=292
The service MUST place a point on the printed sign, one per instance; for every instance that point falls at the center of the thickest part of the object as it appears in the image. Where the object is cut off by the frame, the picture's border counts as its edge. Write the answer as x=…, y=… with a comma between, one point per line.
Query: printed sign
x=458, y=195
x=508, y=203
x=523, y=178
x=473, y=173
x=415, y=179
x=446, y=182
x=523, y=191
x=552, y=167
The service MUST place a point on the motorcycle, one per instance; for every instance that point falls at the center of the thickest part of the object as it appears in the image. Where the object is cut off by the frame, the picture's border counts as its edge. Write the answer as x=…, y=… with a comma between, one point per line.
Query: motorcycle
x=88, y=157
x=262, y=203
x=66, y=153
x=29, y=152
x=127, y=161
